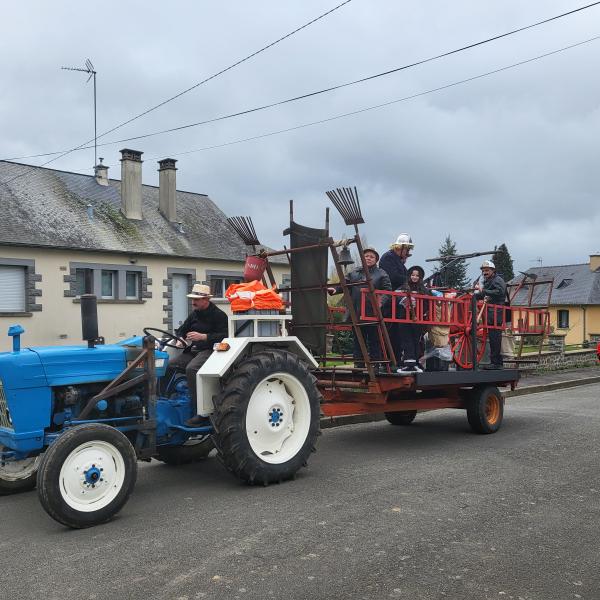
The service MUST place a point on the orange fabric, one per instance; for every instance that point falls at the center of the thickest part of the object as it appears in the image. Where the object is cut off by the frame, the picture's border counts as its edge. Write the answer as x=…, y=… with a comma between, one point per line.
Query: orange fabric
x=253, y=294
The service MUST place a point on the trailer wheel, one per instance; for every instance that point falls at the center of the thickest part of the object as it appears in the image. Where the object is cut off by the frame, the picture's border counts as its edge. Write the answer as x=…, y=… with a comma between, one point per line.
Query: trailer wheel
x=485, y=409
x=401, y=418
x=193, y=450
x=267, y=418
x=87, y=475
x=19, y=475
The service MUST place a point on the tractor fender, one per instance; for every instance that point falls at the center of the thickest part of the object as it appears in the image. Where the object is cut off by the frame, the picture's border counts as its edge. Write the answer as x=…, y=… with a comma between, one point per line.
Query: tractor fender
x=208, y=378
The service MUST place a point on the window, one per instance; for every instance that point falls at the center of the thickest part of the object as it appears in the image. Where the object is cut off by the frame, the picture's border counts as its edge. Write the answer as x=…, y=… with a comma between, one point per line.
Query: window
x=84, y=281
x=12, y=288
x=286, y=282
x=564, y=283
x=563, y=319
x=219, y=285
x=132, y=285
x=117, y=283
x=108, y=284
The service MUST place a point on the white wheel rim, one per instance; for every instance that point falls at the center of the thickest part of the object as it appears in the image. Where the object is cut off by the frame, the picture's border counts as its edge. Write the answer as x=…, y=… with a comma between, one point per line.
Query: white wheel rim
x=17, y=470
x=92, y=476
x=278, y=418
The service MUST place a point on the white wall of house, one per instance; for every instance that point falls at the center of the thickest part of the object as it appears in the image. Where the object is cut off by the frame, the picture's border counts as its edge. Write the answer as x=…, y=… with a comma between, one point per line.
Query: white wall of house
x=56, y=318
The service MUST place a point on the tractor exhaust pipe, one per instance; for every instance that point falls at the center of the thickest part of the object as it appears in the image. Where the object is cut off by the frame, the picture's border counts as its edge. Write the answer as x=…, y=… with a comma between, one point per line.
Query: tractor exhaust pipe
x=89, y=319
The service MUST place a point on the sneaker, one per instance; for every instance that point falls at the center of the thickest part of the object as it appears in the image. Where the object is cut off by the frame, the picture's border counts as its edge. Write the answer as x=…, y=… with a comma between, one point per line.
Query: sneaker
x=417, y=369
x=409, y=369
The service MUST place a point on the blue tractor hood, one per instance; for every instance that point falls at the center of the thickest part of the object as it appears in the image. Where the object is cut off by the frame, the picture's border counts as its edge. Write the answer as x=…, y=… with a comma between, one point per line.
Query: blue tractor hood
x=42, y=366
x=65, y=365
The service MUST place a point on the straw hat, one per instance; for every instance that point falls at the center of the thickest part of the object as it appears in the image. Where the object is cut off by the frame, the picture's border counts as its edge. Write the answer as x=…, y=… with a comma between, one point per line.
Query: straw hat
x=200, y=291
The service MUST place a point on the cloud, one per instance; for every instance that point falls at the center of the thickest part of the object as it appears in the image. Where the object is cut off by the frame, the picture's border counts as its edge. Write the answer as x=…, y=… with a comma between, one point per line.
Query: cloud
x=509, y=158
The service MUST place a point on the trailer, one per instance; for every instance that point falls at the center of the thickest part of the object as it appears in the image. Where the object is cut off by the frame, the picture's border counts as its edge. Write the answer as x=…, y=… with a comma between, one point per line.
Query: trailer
x=375, y=386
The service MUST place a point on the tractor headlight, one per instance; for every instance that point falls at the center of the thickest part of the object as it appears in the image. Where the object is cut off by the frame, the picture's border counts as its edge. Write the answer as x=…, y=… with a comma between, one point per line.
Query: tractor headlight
x=159, y=363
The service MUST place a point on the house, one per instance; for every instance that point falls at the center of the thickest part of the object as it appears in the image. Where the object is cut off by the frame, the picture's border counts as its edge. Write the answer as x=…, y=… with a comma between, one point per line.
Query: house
x=575, y=302
x=139, y=248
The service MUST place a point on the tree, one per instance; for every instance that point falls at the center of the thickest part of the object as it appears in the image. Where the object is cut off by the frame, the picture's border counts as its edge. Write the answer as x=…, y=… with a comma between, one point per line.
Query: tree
x=455, y=274
x=503, y=262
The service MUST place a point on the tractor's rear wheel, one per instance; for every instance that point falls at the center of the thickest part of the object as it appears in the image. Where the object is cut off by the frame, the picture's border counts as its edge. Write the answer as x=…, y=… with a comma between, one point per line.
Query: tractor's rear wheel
x=485, y=409
x=401, y=418
x=193, y=450
x=87, y=475
x=267, y=417
x=19, y=475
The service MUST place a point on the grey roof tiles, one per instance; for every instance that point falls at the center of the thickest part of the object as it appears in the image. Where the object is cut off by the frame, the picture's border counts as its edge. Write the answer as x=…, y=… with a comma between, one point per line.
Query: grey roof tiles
x=50, y=208
x=573, y=284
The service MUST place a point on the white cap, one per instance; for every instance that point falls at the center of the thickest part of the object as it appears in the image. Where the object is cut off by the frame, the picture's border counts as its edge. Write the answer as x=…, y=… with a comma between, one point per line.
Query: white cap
x=488, y=264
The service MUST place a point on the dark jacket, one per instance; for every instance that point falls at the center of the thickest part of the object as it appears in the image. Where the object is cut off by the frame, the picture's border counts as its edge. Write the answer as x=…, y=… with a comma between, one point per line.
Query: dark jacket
x=380, y=279
x=494, y=289
x=413, y=288
x=392, y=264
x=212, y=321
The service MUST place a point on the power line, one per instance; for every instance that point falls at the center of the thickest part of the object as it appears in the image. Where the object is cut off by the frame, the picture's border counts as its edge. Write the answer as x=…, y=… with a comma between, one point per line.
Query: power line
x=335, y=87
x=193, y=87
x=385, y=104
x=389, y=103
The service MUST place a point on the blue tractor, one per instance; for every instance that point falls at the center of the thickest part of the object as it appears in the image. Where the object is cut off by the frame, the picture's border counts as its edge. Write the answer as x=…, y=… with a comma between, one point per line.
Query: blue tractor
x=74, y=420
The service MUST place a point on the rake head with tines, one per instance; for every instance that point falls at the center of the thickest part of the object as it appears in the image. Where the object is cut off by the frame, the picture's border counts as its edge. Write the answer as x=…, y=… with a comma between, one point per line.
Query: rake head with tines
x=347, y=204
x=244, y=227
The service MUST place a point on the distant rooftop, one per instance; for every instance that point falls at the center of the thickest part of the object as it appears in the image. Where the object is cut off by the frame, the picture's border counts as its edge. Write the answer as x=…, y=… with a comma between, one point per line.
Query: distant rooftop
x=573, y=284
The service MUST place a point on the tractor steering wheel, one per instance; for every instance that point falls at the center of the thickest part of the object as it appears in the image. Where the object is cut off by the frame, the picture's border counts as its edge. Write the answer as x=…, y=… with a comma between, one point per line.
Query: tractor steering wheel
x=168, y=338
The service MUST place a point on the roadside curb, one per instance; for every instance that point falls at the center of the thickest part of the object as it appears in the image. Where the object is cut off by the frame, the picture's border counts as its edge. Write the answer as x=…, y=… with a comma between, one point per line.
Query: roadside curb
x=548, y=387
x=329, y=422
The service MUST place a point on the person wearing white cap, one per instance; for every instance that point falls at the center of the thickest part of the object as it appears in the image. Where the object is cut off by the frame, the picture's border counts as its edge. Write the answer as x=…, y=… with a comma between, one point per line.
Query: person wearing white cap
x=493, y=292
x=393, y=263
x=206, y=326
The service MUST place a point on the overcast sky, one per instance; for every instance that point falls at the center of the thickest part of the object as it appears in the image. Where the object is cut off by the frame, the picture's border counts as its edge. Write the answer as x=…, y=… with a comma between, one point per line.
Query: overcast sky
x=510, y=158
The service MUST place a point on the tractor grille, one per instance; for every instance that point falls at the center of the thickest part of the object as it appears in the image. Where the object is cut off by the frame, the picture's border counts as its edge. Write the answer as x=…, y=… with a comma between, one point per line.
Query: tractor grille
x=4, y=415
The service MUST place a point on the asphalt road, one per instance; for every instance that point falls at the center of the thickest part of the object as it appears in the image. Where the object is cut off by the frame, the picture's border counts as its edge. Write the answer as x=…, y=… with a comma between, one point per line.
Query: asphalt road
x=428, y=511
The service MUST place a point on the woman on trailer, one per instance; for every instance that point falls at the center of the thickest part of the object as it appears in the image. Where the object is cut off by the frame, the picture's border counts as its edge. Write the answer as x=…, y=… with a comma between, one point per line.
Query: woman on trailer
x=411, y=334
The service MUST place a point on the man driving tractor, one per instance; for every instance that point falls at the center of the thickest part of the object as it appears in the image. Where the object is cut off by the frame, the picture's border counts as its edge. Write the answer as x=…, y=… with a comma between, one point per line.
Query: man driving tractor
x=205, y=326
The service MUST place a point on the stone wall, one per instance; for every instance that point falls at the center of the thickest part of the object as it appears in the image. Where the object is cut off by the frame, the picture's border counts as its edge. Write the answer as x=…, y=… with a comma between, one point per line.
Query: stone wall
x=561, y=360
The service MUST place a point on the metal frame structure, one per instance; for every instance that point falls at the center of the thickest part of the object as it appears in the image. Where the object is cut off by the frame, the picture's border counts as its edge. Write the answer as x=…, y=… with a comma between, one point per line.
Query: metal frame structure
x=377, y=387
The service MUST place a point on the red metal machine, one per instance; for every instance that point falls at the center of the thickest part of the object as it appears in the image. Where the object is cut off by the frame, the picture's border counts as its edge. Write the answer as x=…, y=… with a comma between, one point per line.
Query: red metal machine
x=376, y=387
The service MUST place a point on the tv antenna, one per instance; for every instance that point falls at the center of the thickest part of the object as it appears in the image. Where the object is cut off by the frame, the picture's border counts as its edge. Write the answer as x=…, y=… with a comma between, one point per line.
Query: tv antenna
x=89, y=68
x=537, y=259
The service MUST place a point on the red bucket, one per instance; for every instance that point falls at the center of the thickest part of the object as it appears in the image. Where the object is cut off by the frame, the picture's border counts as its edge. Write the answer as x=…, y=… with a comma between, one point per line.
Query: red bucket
x=254, y=268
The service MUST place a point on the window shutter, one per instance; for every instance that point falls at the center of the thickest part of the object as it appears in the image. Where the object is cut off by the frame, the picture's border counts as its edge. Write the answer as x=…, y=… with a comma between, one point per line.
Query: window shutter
x=12, y=289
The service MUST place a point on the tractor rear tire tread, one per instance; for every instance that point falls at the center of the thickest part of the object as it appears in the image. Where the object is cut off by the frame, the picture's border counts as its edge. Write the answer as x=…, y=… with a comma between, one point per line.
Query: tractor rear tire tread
x=229, y=418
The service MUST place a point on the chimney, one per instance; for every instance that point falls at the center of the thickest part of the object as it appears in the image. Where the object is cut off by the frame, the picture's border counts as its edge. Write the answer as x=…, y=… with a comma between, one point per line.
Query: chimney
x=101, y=173
x=131, y=183
x=595, y=261
x=167, y=190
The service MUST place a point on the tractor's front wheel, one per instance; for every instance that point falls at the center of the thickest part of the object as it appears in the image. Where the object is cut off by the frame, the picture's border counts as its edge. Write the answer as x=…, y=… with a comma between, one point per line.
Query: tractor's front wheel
x=87, y=475
x=19, y=475
x=266, y=418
